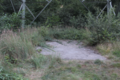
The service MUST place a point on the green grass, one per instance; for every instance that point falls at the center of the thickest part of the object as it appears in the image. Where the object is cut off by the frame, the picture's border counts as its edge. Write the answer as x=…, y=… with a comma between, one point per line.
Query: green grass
x=116, y=65
x=32, y=35
x=116, y=53
x=89, y=71
x=68, y=33
x=20, y=60
x=13, y=47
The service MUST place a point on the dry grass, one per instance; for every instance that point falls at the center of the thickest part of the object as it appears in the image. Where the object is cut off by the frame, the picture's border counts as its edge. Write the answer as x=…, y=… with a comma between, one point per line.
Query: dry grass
x=32, y=35
x=14, y=47
x=38, y=67
x=110, y=50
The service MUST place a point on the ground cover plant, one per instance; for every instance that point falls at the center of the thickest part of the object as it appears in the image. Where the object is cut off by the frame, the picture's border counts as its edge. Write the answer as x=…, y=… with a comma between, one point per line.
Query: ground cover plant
x=63, y=19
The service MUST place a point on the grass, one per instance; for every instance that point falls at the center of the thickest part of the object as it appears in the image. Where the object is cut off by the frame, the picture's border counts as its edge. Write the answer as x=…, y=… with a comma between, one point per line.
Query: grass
x=33, y=35
x=111, y=49
x=89, y=71
x=20, y=61
x=69, y=33
x=16, y=48
x=13, y=47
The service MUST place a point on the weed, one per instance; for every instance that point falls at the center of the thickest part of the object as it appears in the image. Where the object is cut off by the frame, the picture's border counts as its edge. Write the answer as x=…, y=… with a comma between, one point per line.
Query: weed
x=32, y=35
x=7, y=74
x=79, y=66
x=116, y=65
x=98, y=62
x=14, y=48
x=46, y=33
x=116, y=53
x=38, y=61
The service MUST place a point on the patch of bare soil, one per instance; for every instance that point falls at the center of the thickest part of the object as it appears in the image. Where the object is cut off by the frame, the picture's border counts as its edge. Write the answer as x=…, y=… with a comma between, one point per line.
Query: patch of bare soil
x=70, y=50
x=35, y=75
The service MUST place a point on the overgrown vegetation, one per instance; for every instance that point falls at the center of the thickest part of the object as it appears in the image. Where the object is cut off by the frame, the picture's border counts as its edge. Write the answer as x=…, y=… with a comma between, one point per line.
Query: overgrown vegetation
x=19, y=55
x=62, y=19
x=103, y=28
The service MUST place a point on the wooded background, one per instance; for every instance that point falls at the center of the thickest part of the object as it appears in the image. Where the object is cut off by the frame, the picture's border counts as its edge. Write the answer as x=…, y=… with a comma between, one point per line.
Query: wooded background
x=63, y=12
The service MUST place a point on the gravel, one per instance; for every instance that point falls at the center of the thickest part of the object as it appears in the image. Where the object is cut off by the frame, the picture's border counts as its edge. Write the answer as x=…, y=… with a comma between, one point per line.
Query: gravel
x=70, y=50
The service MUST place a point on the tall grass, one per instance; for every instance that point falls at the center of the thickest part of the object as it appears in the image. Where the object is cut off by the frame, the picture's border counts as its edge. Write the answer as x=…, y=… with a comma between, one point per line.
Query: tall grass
x=32, y=35
x=13, y=46
x=110, y=49
x=69, y=33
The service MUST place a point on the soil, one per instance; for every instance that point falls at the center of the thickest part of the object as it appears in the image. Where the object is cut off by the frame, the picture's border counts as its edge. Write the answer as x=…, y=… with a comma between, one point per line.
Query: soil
x=70, y=50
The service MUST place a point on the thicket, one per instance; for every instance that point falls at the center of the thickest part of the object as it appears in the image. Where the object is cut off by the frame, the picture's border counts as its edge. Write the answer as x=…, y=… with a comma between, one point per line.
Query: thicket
x=104, y=28
x=59, y=12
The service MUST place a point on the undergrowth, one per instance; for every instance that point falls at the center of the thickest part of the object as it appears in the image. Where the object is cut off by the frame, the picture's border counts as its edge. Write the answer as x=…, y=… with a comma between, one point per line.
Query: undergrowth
x=17, y=50
x=14, y=48
x=69, y=33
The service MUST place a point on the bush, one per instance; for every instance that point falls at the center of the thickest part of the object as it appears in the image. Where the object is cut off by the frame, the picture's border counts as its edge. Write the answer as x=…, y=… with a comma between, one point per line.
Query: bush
x=52, y=21
x=46, y=33
x=10, y=21
x=102, y=28
x=77, y=22
x=14, y=48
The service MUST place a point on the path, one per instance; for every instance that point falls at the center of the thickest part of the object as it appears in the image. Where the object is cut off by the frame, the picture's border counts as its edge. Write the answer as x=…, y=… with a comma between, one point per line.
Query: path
x=71, y=50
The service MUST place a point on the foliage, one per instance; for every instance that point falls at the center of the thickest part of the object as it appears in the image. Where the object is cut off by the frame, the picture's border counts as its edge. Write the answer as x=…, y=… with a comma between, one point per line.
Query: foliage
x=6, y=74
x=46, y=33
x=52, y=21
x=10, y=21
x=102, y=28
x=68, y=33
x=77, y=22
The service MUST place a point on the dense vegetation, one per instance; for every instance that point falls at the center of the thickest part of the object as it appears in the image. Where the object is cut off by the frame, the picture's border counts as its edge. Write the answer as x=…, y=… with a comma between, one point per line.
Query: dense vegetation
x=62, y=19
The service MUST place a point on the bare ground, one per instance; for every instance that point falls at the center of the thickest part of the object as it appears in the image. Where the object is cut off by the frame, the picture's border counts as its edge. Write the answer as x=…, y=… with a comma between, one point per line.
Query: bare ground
x=70, y=50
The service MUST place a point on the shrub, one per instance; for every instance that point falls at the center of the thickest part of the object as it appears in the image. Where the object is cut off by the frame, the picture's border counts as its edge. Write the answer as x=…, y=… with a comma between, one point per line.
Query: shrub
x=10, y=21
x=68, y=33
x=14, y=48
x=77, y=22
x=46, y=33
x=102, y=28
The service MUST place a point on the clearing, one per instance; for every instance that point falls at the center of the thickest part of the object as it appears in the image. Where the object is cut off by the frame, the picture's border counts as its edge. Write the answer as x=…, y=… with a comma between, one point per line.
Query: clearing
x=70, y=50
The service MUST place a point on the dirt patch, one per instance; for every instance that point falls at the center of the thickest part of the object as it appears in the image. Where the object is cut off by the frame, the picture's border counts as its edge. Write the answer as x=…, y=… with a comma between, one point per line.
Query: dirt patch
x=35, y=74
x=67, y=49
